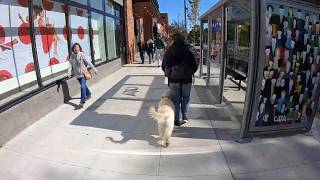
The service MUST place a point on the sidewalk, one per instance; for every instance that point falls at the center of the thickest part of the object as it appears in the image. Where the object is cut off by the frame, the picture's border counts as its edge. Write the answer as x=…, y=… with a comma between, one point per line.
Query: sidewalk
x=113, y=138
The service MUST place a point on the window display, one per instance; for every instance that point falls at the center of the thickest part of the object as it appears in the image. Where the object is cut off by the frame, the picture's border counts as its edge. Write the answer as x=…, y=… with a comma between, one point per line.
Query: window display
x=80, y=29
x=98, y=39
x=16, y=58
x=52, y=47
x=291, y=73
x=111, y=38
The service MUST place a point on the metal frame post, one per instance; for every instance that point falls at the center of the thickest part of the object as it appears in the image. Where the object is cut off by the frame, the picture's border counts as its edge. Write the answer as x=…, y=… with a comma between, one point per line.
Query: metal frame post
x=209, y=48
x=223, y=54
x=201, y=49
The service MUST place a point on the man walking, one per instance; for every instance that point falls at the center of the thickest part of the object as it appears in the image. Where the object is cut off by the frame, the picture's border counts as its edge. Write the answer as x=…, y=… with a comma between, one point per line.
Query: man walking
x=159, y=45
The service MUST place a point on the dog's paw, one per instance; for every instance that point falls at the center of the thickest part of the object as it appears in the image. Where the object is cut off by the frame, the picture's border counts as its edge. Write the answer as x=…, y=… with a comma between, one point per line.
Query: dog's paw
x=167, y=144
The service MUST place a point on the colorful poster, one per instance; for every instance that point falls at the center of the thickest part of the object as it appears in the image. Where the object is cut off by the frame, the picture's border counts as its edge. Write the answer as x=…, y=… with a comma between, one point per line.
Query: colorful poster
x=291, y=73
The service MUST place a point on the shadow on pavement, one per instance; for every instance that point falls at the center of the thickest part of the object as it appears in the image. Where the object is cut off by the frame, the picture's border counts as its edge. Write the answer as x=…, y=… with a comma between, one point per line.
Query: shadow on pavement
x=124, y=108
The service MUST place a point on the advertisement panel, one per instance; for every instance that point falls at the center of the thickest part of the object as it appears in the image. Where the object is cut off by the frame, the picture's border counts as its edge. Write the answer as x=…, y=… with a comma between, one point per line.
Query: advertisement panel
x=291, y=71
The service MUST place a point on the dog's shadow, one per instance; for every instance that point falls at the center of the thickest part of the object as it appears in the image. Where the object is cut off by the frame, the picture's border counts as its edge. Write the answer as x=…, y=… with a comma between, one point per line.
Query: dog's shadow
x=126, y=137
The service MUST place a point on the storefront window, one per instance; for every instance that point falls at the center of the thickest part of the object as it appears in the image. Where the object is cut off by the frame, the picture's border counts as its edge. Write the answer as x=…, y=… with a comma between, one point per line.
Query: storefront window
x=85, y=2
x=98, y=38
x=111, y=38
x=80, y=29
x=97, y=4
x=117, y=10
x=51, y=42
x=16, y=59
x=118, y=37
x=109, y=7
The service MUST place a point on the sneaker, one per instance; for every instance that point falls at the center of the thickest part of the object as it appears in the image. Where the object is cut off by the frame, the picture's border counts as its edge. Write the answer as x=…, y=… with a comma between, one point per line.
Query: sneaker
x=81, y=104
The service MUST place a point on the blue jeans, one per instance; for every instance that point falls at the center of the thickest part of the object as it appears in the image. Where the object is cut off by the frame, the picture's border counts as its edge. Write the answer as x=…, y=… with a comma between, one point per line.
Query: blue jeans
x=85, y=92
x=142, y=56
x=180, y=95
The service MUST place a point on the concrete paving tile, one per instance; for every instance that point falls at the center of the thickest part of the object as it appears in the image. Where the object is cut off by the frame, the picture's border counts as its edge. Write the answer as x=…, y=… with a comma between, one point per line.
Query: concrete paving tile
x=298, y=149
x=244, y=158
x=48, y=170
x=107, y=175
x=12, y=164
x=120, y=107
x=232, y=125
x=17, y=176
x=308, y=171
x=145, y=163
x=133, y=92
x=202, y=164
x=94, y=121
x=196, y=144
x=140, y=80
x=218, y=177
x=283, y=174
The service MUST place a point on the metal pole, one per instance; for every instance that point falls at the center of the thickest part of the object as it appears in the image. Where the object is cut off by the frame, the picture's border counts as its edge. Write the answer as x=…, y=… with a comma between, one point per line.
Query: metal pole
x=209, y=48
x=223, y=54
x=201, y=49
x=254, y=56
x=185, y=15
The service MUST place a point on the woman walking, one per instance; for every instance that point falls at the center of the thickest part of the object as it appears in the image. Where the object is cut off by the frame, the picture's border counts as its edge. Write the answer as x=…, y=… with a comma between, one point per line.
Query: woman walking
x=79, y=64
x=179, y=65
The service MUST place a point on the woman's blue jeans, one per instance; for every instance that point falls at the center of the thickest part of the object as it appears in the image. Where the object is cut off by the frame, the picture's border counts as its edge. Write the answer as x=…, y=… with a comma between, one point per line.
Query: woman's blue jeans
x=180, y=95
x=85, y=92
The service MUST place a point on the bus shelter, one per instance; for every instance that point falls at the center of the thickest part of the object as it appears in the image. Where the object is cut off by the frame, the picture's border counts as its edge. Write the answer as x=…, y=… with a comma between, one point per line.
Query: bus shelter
x=270, y=49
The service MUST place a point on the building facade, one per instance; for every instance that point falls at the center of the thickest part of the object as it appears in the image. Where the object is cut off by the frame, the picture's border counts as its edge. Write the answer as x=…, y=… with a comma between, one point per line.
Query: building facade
x=140, y=18
x=36, y=37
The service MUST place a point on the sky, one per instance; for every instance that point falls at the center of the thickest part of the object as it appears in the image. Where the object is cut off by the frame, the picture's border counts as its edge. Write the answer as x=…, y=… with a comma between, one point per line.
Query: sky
x=175, y=8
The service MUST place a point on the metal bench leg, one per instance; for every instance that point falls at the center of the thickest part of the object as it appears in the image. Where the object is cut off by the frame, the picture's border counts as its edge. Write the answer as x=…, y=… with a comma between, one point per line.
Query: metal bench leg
x=239, y=85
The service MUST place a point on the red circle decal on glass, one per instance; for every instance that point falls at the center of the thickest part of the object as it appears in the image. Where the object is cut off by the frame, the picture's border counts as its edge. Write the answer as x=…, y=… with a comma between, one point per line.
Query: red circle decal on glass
x=53, y=61
x=29, y=67
x=47, y=5
x=2, y=34
x=80, y=32
x=4, y=75
x=23, y=3
x=24, y=33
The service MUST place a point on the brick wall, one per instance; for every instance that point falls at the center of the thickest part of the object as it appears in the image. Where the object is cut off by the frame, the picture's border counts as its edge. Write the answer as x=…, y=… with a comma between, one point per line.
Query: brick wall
x=147, y=26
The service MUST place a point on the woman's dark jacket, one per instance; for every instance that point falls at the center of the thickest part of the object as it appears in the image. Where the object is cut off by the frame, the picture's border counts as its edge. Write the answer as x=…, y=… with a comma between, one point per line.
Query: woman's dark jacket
x=181, y=61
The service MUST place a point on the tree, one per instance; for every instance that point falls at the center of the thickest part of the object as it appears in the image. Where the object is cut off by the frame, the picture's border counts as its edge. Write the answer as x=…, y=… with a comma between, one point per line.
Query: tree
x=176, y=27
x=193, y=13
x=194, y=34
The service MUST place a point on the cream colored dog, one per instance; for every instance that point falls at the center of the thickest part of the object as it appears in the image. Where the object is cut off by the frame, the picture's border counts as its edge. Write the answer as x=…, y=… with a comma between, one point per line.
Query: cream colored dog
x=164, y=117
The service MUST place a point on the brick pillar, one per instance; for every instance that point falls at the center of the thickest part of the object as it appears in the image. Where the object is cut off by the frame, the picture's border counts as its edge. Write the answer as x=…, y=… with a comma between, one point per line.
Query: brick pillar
x=142, y=30
x=147, y=26
x=129, y=24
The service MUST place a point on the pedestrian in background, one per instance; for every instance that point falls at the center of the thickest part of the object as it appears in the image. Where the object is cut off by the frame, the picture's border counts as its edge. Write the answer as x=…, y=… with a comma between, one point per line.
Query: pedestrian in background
x=159, y=48
x=150, y=50
x=141, y=51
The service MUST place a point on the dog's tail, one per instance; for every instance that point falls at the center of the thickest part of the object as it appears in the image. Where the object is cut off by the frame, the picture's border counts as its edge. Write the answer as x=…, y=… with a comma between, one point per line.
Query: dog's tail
x=155, y=115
